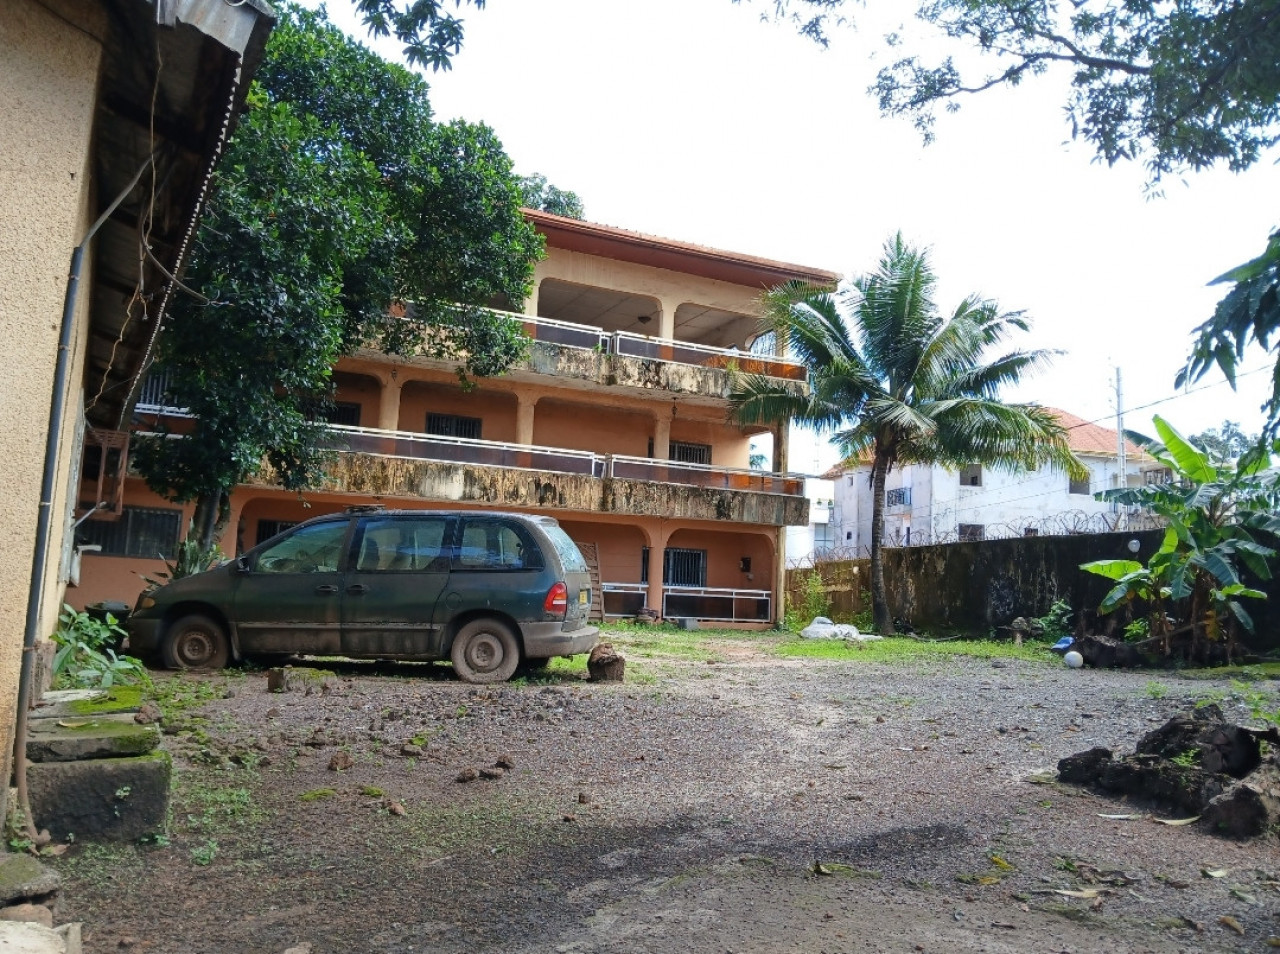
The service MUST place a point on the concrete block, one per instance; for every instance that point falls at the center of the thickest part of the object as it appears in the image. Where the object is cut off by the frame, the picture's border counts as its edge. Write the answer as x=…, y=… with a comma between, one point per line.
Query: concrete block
x=120, y=799
x=25, y=937
x=99, y=737
x=23, y=878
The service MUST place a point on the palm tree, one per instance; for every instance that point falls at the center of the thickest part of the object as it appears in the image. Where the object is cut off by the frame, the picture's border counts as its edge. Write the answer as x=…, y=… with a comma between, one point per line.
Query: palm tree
x=901, y=384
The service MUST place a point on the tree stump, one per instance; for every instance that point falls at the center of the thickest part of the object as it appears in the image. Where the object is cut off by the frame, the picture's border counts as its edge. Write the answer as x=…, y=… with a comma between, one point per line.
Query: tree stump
x=605, y=664
x=1248, y=808
x=1197, y=763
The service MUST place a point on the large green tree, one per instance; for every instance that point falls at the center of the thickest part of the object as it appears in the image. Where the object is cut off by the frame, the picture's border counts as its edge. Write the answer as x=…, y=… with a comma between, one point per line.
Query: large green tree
x=538, y=193
x=1249, y=314
x=1183, y=84
x=901, y=383
x=337, y=197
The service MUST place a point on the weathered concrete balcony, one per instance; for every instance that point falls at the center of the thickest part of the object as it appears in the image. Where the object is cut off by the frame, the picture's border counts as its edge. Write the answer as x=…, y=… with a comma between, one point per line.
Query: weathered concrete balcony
x=405, y=464
x=584, y=356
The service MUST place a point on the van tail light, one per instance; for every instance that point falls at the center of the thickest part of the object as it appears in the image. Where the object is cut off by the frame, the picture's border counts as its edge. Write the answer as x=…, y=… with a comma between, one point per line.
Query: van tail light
x=557, y=600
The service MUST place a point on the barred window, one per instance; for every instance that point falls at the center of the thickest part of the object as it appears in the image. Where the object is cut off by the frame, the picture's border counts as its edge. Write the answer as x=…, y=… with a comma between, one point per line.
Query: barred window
x=971, y=532
x=1079, y=486
x=680, y=567
x=147, y=532
x=971, y=476
x=453, y=425
x=269, y=528
x=686, y=452
x=899, y=497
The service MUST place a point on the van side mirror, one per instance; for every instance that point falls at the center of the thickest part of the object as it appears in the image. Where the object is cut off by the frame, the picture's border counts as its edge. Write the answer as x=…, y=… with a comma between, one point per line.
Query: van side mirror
x=242, y=564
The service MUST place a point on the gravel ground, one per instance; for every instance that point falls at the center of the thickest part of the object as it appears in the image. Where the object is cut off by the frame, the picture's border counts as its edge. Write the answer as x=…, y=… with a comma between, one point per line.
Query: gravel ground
x=751, y=803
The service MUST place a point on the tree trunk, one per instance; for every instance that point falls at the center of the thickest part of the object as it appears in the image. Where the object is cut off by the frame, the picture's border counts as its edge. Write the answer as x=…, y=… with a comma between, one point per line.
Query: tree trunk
x=205, y=526
x=879, y=602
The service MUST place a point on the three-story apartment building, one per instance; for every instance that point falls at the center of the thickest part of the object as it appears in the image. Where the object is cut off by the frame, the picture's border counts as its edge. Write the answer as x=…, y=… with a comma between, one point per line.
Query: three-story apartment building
x=617, y=424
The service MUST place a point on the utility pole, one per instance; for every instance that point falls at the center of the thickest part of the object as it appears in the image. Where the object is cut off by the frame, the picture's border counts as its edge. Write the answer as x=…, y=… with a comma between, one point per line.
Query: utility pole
x=1123, y=477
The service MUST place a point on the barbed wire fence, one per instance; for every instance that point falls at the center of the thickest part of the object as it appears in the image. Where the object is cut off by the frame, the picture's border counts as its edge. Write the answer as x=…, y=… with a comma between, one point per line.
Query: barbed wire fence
x=1065, y=524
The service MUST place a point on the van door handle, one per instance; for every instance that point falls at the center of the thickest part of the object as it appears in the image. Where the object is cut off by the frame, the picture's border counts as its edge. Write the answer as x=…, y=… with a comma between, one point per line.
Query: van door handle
x=356, y=588
x=325, y=588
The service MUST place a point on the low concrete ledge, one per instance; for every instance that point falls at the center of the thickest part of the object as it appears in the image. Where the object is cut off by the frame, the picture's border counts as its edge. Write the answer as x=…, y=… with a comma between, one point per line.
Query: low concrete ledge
x=116, y=799
x=101, y=737
x=372, y=476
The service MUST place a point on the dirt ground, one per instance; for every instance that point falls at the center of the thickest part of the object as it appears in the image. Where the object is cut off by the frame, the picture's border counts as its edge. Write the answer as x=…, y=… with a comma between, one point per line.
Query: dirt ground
x=729, y=801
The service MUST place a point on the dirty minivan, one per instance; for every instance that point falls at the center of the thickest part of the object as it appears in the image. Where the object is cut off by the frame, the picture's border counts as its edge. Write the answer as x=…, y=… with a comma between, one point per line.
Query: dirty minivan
x=488, y=591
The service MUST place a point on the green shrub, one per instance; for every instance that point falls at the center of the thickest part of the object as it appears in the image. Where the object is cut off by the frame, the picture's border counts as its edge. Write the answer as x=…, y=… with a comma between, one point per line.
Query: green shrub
x=813, y=603
x=1057, y=622
x=86, y=656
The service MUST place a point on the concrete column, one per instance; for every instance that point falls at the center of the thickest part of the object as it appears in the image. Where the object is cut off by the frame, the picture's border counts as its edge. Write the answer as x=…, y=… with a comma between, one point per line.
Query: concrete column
x=667, y=320
x=524, y=418
x=531, y=303
x=779, y=602
x=657, y=550
x=389, y=405
x=662, y=433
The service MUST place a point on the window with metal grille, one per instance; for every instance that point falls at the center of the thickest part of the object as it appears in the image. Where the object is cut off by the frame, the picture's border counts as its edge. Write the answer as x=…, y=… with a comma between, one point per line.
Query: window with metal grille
x=343, y=412
x=971, y=476
x=453, y=425
x=898, y=497
x=333, y=412
x=147, y=532
x=269, y=528
x=971, y=532
x=680, y=567
x=1079, y=486
x=686, y=452
x=1161, y=475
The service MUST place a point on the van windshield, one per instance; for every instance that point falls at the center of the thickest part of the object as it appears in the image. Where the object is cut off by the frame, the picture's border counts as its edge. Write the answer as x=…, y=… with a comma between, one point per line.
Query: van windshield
x=566, y=549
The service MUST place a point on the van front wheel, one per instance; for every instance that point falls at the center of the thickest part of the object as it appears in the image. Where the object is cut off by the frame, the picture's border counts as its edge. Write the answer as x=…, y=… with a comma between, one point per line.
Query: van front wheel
x=485, y=650
x=195, y=642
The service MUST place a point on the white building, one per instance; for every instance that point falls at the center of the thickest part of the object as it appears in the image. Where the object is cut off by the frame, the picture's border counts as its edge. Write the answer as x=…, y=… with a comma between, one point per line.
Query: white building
x=819, y=535
x=926, y=504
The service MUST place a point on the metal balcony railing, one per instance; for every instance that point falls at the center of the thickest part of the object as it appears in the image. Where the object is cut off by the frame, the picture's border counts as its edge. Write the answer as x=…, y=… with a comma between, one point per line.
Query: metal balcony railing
x=459, y=450
x=628, y=344
x=704, y=475
x=691, y=602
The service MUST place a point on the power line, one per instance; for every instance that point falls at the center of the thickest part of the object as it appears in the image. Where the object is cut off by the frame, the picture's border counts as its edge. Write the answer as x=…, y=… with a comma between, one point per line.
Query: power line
x=1174, y=397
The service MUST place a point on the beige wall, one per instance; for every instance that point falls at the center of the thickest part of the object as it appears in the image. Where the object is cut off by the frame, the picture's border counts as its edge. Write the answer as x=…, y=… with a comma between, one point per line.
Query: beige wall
x=47, y=89
x=671, y=289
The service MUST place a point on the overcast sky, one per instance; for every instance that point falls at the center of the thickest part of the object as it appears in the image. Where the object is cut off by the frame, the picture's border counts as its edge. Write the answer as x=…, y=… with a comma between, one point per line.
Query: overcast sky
x=693, y=120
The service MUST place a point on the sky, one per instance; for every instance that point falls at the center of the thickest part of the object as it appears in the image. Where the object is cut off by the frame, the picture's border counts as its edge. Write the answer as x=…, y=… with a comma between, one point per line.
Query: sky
x=694, y=120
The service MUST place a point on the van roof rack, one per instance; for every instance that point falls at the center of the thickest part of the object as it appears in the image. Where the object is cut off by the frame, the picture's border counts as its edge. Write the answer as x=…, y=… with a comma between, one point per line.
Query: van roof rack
x=365, y=508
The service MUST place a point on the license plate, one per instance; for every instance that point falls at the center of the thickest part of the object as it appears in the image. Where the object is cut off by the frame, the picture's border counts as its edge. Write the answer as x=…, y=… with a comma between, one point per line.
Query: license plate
x=582, y=597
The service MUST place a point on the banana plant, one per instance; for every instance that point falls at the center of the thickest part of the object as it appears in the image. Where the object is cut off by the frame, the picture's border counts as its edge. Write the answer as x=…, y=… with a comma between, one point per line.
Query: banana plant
x=1220, y=519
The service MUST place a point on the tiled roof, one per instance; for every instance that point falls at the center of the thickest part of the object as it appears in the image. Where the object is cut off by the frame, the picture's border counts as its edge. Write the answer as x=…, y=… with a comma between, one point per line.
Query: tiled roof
x=1092, y=439
x=609, y=241
x=1084, y=437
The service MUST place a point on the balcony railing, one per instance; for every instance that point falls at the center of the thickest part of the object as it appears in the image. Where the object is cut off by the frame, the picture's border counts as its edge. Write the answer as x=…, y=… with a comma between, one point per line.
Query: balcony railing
x=704, y=475
x=691, y=602
x=459, y=450
x=658, y=349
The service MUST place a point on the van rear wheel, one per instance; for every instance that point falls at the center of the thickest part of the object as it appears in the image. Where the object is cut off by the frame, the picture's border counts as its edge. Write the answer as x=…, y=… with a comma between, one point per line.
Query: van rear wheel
x=195, y=642
x=484, y=651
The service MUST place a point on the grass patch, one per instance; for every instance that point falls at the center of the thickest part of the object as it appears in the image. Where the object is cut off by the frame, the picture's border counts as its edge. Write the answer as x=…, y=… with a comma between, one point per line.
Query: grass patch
x=899, y=649
x=209, y=807
x=180, y=693
x=1255, y=672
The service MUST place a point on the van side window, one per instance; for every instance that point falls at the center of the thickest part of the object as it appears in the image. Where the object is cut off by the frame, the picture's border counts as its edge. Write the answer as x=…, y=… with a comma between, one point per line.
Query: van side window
x=313, y=549
x=490, y=545
x=414, y=544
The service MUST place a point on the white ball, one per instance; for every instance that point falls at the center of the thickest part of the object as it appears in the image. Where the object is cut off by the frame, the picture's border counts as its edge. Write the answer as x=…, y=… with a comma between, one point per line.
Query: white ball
x=1073, y=659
